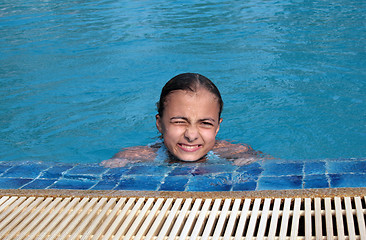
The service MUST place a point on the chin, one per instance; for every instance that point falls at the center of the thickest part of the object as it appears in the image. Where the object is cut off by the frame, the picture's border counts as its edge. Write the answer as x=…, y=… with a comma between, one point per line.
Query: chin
x=186, y=158
x=190, y=158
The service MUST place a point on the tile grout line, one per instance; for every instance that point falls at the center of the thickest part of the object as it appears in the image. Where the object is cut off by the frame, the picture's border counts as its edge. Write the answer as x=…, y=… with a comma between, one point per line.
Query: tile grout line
x=38, y=177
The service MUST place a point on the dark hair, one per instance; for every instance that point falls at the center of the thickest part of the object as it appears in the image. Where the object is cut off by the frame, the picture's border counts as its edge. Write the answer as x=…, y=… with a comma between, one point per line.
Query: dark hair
x=188, y=82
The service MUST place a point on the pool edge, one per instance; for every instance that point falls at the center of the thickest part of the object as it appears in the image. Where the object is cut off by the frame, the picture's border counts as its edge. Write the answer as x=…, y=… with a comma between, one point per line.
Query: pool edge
x=293, y=193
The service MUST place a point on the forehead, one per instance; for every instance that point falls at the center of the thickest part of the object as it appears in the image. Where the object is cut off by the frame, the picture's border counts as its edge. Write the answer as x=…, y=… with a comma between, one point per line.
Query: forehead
x=200, y=102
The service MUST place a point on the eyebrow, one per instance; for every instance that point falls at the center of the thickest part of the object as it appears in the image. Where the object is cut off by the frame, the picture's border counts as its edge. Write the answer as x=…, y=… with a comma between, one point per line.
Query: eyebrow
x=186, y=119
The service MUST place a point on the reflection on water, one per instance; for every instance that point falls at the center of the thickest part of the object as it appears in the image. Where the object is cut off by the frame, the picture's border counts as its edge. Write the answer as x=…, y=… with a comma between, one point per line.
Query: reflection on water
x=79, y=80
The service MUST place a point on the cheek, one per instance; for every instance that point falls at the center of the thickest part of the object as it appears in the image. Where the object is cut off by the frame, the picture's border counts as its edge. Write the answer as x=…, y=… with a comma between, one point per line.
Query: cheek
x=209, y=135
x=172, y=133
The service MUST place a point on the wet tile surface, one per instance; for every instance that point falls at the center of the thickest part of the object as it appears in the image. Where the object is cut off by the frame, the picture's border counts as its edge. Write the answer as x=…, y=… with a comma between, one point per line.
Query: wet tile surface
x=260, y=175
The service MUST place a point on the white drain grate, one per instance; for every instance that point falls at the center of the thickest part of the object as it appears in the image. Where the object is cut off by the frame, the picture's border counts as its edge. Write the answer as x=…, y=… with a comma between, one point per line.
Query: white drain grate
x=178, y=218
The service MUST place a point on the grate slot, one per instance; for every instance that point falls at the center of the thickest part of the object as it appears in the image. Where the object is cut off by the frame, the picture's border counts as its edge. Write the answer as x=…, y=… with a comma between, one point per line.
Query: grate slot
x=159, y=218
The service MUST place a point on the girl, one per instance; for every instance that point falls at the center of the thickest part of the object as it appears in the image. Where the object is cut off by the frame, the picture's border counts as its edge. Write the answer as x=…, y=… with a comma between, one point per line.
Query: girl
x=189, y=117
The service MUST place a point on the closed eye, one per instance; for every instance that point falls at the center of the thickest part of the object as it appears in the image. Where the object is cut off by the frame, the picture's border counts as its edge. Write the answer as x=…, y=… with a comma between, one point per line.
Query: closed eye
x=207, y=124
x=179, y=122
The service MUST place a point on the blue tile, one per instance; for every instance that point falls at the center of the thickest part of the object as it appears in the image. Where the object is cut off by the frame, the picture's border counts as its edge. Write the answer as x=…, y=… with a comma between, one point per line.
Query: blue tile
x=221, y=182
x=249, y=167
x=315, y=168
x=280, y=183
x=144, y=183
x=347, y=180
x=4, y=167
x=246, y=186
x=25, y=171
x=282, y=169
x=73, y=184
x=87, y=169
x=347, y=166
x=114, y=174
x=158, y=170
x=182, y=170
x=39, y=184
x=251, y=172
x=105, y=185
x=269, y=175
x=13, y=183
x=238, y=178
x=176, y=183
x=85, y=172
x=213, y=169
x=316, y=181
x=55, y=172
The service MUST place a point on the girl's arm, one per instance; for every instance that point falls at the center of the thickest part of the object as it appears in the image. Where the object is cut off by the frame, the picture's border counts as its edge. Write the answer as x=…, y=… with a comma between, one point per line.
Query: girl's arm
x=239, y=154
x=131, y=155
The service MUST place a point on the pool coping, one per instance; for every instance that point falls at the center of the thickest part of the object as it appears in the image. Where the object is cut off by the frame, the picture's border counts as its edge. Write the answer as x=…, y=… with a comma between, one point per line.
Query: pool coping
x=293, y=193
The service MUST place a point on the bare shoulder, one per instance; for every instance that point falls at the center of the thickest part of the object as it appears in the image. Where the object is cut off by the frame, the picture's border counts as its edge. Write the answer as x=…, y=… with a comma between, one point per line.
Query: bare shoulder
x=135, y=152
x=131, y=155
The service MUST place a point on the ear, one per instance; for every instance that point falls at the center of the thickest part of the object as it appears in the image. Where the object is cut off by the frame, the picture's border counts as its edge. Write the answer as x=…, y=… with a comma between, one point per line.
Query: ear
x=159, y=124
x=218, y=127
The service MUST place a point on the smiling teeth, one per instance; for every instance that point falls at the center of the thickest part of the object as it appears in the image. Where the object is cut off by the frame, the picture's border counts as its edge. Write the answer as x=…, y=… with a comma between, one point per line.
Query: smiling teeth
x=189, y=147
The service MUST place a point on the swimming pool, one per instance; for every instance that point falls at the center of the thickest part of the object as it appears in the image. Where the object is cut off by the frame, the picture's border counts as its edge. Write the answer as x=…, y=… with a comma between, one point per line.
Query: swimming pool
x=79, y=80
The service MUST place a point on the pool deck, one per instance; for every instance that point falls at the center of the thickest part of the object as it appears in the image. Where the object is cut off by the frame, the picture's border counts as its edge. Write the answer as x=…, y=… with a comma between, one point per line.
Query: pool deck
x=193, y=177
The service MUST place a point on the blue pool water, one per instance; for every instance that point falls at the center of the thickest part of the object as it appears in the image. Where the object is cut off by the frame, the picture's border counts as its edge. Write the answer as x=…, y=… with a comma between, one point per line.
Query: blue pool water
x=79, y=79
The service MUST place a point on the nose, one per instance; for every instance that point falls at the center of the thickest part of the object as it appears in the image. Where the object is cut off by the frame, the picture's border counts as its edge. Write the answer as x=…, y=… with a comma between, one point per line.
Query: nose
x=191, y=133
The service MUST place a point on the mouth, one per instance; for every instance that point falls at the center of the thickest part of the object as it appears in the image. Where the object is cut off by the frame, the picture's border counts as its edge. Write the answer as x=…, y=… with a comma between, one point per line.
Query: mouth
x=189, y=148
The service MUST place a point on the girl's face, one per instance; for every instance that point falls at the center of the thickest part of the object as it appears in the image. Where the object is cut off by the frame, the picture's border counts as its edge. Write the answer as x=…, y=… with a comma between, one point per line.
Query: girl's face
x=190, y=123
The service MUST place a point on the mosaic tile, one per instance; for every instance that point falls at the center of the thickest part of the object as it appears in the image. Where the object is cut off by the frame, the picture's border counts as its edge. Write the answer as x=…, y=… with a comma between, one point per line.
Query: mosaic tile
x=212, y=169
x=26, y=171
x=266, y=175
x=182, y=170
x=158, y=170
x=144, y=183
x=347, y=167
x=105, y=185
x=221, y=182
x=176, y=183
x=238, y=178
x=282, y=169
x=85, y=171
x=39, y=184
x=280, y=183
x=55, y=172
x=3, y=168
x=315, y=167
x=13, y=183
x=73, y=184
x=114, y=173
x=246, y=186
x=316, y=181
x=347, y=180
x=252, y=171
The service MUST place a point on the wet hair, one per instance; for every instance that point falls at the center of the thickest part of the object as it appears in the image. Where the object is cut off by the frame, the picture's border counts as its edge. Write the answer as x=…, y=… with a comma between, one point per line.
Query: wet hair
x=188, y=82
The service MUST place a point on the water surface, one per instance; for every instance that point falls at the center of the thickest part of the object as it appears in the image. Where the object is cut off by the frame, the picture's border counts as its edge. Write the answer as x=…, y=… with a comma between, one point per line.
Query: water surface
x=79, y=79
